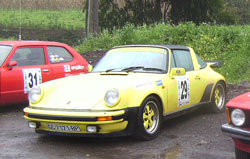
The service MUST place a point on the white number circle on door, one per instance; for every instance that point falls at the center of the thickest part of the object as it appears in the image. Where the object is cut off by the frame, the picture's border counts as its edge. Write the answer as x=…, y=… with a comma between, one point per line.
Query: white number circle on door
x=31, y=77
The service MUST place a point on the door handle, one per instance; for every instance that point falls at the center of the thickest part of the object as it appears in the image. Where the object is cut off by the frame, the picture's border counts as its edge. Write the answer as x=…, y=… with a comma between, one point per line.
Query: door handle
x=197, y=77
x=46, y=70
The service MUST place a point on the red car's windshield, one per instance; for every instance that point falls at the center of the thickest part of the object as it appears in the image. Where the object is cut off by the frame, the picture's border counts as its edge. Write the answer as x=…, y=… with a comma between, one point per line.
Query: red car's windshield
x=4, y=52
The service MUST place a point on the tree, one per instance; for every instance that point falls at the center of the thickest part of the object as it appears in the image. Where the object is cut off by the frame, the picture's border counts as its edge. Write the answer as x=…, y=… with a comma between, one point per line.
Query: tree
x=195, y=10
x=139, y=12
x=111, y=15
x=239, y=9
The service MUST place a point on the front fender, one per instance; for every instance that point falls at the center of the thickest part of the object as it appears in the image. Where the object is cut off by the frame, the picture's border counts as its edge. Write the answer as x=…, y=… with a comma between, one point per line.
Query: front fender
x=135, y=97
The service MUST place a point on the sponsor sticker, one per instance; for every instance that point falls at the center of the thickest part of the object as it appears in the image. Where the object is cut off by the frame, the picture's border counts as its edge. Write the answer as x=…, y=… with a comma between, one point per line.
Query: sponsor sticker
x=68, y=68
x=159, y=83
x=144, y=84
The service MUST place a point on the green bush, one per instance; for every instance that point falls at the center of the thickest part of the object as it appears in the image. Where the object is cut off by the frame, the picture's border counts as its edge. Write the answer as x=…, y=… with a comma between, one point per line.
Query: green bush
x=212, y=42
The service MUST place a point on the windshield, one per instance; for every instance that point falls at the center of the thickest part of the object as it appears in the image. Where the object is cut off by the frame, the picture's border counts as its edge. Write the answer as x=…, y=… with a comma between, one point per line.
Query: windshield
x=134, y=60
x=4, y=52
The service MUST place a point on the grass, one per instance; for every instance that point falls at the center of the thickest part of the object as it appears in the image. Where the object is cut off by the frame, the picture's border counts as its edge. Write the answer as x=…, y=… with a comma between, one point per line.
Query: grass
x=230, y=44
x=42, y=4
x=10, y=38
x=43, y=19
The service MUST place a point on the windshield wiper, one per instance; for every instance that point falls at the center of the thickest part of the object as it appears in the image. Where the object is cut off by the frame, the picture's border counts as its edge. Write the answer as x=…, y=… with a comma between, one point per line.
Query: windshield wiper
x=128, y=69
x=112, y=69
x=154, y=69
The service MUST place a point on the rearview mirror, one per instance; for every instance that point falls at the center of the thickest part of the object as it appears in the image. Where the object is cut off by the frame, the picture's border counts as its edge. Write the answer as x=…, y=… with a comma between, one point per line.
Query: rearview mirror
x=12, y=64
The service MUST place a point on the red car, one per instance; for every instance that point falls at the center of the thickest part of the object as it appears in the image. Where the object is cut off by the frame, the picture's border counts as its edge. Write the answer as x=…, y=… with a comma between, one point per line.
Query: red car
x=25, y=64
x=238, y=126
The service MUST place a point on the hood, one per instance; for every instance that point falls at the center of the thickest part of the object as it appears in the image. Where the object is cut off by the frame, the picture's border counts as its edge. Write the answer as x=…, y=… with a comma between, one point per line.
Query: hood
x=242, y=102
x=88, y=90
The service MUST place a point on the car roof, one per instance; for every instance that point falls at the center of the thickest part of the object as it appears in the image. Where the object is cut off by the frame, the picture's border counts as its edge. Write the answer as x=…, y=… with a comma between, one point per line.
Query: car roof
x=28, y=43
x=176, y=47
x=172, y=47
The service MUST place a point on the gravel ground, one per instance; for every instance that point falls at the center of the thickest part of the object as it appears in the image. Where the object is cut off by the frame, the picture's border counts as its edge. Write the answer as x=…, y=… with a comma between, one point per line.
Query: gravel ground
x=192, y=136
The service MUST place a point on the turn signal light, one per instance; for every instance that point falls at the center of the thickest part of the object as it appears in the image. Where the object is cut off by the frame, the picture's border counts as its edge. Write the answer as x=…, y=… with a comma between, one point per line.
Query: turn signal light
x=228, y=115
x=106, y=118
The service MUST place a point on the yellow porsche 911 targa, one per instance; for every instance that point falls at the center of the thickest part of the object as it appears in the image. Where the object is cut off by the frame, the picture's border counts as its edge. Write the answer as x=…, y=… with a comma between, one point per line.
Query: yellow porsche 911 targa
x=130, y=91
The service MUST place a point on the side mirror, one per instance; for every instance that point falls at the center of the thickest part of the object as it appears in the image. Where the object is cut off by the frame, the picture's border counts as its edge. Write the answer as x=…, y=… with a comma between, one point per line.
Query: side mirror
x=12, y=64
x=177, y=72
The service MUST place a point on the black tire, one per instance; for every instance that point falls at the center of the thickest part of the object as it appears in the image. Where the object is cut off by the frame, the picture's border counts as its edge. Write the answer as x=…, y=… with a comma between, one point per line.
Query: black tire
x=241, y=154
x=149, y=119
x=219, y=98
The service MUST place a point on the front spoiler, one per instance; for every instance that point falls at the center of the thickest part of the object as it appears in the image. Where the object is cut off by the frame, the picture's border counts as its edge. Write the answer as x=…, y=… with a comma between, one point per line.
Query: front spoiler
x=236, y=132
x=129, y=116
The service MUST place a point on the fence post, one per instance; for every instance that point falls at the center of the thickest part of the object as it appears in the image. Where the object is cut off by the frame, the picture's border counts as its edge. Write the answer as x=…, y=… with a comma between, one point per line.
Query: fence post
x=92, y=20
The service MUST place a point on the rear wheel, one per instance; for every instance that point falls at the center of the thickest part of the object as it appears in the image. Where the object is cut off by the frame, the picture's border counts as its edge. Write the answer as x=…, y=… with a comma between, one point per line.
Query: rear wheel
x=241, y=154
x=219, y=98
x=149, y=119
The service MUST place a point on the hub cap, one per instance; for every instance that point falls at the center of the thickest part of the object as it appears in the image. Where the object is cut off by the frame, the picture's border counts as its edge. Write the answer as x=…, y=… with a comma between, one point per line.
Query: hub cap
x=219, y=96
x=151, y=117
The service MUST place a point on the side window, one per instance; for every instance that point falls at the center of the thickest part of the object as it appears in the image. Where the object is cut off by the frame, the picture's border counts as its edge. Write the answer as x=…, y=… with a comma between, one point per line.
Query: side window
x=183, y=59
x=29, y=56
x=201, y=63
x=58, y=55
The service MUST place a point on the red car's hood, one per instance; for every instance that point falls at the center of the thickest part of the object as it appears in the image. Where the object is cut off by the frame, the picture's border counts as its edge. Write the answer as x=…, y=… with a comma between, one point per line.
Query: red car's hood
x=241, y=102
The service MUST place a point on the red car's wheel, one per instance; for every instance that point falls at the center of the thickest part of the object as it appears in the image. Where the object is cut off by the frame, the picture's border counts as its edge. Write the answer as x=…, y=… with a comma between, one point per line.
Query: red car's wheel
x=241, y=154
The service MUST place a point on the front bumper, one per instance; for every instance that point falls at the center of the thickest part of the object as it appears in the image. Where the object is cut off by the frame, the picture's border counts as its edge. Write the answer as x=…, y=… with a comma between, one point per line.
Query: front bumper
x=123, y=122
x=236, y=132
x=241, y=137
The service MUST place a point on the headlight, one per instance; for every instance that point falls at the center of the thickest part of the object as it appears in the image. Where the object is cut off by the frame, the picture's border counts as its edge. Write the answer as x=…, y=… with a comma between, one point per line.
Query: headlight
x=111, y=97
x=35, y=95
x=238, y=117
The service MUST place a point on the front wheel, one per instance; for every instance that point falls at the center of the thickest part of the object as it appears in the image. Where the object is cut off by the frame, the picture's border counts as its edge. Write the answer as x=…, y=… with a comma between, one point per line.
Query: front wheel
x=219, y=98
x=149, y=119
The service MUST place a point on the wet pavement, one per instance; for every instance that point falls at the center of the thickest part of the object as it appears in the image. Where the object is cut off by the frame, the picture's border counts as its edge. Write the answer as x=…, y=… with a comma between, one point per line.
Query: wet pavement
x=194, y=135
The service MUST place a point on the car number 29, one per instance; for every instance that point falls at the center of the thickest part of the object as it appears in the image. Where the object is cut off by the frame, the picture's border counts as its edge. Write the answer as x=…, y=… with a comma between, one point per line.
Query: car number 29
x=183, y=90
x=31, y=78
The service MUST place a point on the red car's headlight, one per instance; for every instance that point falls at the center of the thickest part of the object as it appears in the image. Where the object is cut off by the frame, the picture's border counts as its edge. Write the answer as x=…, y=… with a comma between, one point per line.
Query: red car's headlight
x=238, y=117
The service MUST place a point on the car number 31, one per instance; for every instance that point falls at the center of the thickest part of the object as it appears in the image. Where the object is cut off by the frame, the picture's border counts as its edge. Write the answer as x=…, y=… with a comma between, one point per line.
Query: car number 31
x=32, y=77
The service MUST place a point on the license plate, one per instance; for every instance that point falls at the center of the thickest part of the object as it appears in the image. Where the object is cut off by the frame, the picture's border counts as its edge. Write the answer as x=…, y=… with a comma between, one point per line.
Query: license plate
x=67, y=128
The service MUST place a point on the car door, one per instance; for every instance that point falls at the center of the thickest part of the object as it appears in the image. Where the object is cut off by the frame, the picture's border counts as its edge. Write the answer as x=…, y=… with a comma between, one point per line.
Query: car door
x=31, y=70
x=65, y=63
x=189, y=87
